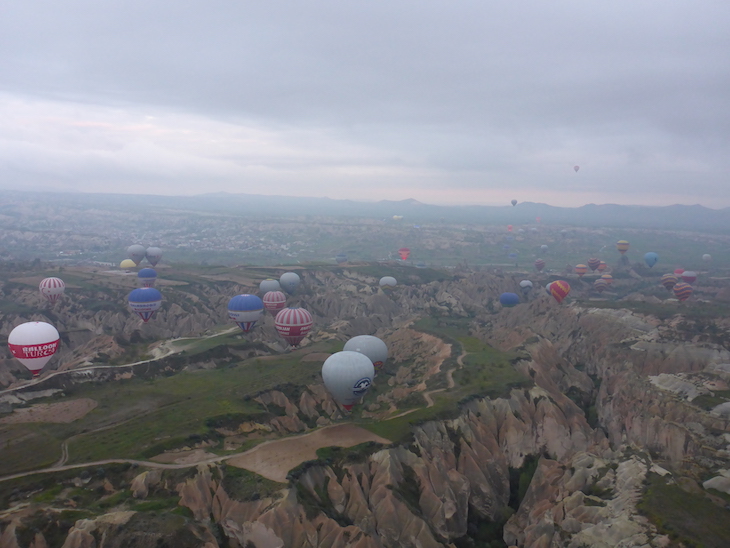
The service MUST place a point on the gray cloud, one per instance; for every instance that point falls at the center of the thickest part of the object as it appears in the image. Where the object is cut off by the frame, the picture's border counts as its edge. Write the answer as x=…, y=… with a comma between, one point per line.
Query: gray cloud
x=320, y=97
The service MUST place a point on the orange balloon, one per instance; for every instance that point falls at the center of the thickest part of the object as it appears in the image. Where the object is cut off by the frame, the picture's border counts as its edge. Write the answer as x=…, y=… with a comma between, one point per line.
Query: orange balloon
x=559, y=290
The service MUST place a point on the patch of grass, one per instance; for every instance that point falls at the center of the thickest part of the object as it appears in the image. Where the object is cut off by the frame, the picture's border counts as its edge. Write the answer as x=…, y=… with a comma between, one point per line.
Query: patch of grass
x=243, y=485
x=691, y=519
x=156, y=505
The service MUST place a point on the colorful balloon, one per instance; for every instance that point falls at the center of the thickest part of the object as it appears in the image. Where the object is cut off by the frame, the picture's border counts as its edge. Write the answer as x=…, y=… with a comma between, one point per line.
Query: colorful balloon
x=509, y=299
x=580, y=269
x=608, y=278
x=372, y=347
x=33, y=344
x=678, y=272
x=509, y=228
x=600, y=285
x=593, y=263
x=245, y=310
x=52, y=289
x=387, y=283
x=602, y=266
x=539, y=265
x=669, y=281
x=622, y=246
x=153, y=254
x=274, y=301
x=559, y=289
x=127, y=264
x=683, y=291
x=404, y=253
x=147, y=277
x=144, y=302
x=269, y=284
x=348, y=376
x=289, y=282
x=689, y=276
x=136, y=253
x=651, y=258
x=293, y=324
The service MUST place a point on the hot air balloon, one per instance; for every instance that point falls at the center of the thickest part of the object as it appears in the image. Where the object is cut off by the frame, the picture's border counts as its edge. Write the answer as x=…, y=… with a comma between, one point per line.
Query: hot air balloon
x=347, y=375
x=539, y=264
x=509, y=228
x=651, y=258
x=547, y=288
x=707, y=257
x=580, y=269
x=289, y=282
x=526, y=286
x=52, y=289
x=144, y=302
x=608, y=278
x=293, y=324
x=341, y=258
x=372, y=347
x=404, y=252
x=509, y=299
x=245, y=310
x=559, y=289
x=593, y=263
x=602, y=266
x=514, y=203
x=543, y=248
x=683, y=291
x=678, y=272
x=33, y=344
x=147, y=277
x=136, y=253
x=153, y=254
x=576, y=168
x=269, y=284
x=274, y=301
x=622, y=246
x=600, y=285
x=387, y=283
x=689, y=276
x=669, y=281
x=127, y=264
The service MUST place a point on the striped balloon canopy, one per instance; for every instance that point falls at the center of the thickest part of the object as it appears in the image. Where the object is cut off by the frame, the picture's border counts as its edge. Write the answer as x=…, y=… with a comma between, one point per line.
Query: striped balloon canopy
x=689, y=276
x=593, y=263
x=274, y=301
x=539, y=264
x=52, y=289
x=581, y=269
x=600, y=285
x=559, y=289
x=608, y=278
x=293, y=324
x=602, y=266
x=622, y=246
x=669, y=281
x=683, y=291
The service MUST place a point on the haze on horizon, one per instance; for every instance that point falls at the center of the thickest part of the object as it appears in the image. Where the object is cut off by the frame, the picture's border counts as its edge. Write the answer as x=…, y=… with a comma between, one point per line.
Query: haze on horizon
x=434, y=101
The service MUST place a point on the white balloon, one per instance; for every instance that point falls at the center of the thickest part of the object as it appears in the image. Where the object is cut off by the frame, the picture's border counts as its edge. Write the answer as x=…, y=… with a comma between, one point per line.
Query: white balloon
x=372, y=347
x=348, y=375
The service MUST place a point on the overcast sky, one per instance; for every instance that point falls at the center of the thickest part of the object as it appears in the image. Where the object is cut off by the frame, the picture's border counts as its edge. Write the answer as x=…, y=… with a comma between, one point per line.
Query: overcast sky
x=442, y=101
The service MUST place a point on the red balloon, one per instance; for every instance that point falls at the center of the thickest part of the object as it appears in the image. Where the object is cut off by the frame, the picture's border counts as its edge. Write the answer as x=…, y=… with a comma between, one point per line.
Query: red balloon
x=293, y=324
x=404, y=252
x=274, y=301
x=559, y=290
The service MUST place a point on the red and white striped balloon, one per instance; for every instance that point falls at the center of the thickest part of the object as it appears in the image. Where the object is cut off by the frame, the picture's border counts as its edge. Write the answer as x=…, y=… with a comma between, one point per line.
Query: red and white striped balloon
x=52, y=288
x=274, y=301
x=293, y=324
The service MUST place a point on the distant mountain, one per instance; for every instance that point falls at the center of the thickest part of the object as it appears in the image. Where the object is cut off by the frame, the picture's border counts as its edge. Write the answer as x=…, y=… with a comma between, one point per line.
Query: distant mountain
x=675, y=217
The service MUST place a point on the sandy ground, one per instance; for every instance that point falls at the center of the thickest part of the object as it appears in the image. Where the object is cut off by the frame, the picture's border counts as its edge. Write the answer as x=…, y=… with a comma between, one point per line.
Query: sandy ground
x=67, y=411
x=274, y=459
x=316, y=357
x=183, y=457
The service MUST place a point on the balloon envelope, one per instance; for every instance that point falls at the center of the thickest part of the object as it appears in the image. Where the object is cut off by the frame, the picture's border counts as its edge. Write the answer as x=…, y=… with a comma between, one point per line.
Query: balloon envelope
x=348, y=376
x=274, y=301
x=404, y=253
x=514, y=202
x=602, y=266
x=153, y=254
x=144, y=302
x=245, y=310
x=52, y=289
x=559, y=289
x=136, y=253
x=593, y=263
x=147, y=277
x=689, y=276
x=126, y=264
x=289, y=281
x=580, y=269
x=539, y=264
x=526, y=286
x=372, y=347
x=576, y=168
x=543, y=248
x=682, y=290
x=269, y=284
x=293, y=324
x=33, y=344
x=622, y=246
x=387, y=283
x=509, y=299
x=707, y=257
x=341, y=258
x=669, y=281
x=651, y=258
x=608, y=278
x=600, y=285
